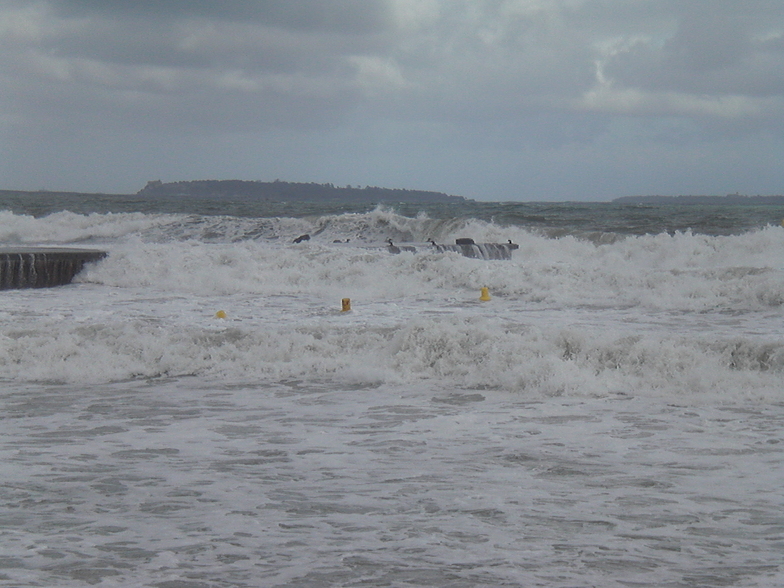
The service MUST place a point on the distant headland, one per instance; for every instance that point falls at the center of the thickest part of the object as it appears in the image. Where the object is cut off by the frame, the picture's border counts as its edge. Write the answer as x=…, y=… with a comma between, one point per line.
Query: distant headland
x=279, y=191
x=728, y=200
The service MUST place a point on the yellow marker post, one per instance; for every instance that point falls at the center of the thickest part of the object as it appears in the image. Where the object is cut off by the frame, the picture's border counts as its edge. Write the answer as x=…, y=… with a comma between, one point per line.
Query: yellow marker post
x=221, y=314
x=346, y=302
x=485, y=296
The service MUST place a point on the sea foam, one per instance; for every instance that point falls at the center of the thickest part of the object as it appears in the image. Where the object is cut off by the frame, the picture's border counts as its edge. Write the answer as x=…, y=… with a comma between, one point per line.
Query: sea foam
x=675, y=313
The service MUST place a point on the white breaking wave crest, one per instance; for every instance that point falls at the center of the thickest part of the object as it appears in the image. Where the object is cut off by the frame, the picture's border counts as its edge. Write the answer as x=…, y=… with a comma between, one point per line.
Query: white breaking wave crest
x=671, y=314
x=372, y=227
x=683, y=272
x=465, y=350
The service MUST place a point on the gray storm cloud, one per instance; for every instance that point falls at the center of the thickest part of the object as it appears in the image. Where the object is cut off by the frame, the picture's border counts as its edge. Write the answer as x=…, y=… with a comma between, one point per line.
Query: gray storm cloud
x=531, y=99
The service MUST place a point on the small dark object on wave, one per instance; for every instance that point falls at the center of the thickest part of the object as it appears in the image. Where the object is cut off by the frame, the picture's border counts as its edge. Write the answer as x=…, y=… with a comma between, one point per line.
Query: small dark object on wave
x=392, y=248
x=464, y=241
x=302, y=238
x=513, y=245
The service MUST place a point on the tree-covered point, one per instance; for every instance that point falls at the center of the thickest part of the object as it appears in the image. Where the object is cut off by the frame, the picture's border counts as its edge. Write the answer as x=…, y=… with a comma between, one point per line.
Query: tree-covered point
x=280, y=191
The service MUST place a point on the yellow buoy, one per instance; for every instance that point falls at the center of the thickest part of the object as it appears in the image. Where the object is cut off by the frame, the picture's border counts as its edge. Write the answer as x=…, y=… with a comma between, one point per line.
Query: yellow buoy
x=220, y=314
x=346, y=304
x=485, y=296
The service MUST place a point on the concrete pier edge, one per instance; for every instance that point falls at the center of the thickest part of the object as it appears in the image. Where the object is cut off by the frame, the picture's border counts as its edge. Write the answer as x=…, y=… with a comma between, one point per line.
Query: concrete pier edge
x=42, y=267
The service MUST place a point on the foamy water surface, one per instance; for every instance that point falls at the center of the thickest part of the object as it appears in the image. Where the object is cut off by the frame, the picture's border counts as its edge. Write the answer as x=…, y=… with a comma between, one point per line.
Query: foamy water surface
x=611, y=417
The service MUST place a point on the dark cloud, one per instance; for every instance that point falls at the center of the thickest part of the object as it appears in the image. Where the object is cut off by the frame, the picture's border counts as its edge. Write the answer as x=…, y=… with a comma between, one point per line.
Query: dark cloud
x=715, y=54
x=258, y=65
x=345, y=16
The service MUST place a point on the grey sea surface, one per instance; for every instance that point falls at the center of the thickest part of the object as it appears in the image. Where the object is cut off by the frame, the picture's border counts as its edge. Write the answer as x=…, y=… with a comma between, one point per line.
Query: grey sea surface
x=187, y=483
x=596, y=221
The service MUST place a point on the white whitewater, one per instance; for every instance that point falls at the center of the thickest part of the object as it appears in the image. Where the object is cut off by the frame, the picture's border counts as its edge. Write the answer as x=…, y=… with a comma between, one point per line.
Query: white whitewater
x=612, y=417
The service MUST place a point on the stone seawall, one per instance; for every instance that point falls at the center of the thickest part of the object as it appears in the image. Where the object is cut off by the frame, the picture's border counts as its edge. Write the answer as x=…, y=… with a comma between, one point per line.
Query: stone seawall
x=38, y=267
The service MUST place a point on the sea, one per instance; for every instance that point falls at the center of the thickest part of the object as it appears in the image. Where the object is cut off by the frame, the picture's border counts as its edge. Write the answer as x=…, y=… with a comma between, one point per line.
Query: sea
x=200, y=410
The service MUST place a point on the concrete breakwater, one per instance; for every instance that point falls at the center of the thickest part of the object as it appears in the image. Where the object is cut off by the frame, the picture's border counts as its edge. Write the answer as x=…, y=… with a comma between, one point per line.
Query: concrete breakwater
x=39, y=267
x=481, y=250
x=465, y=247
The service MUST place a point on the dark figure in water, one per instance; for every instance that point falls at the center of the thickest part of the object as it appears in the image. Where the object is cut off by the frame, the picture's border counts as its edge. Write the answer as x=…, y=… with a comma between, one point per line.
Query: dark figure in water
x=302, y=238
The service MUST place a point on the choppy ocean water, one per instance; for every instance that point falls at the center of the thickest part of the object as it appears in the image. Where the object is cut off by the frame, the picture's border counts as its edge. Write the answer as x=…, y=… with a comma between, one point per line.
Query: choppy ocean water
x=611, y=417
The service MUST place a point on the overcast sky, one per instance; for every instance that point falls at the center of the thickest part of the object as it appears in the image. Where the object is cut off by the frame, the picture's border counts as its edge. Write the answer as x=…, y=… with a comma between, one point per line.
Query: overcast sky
x=489, y=99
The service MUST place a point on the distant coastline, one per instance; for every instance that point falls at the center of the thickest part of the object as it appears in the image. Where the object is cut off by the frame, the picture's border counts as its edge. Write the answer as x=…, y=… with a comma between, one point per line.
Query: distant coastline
x=728, y=200
x=279, y=191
